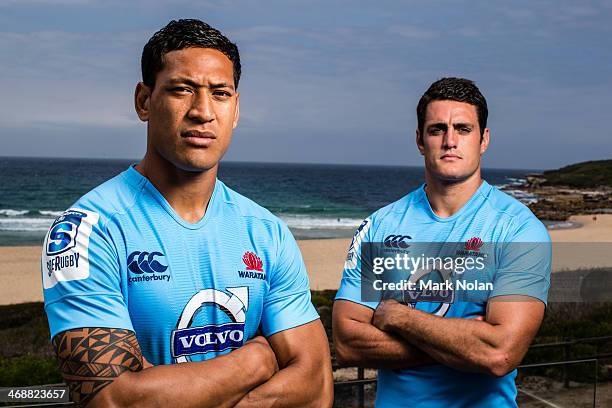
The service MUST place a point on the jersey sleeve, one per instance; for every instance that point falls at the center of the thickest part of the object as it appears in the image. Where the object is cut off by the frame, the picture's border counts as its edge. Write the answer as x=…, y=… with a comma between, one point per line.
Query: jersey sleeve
x=525, y=261
x=81, y=275
x=288, y=303
x=352, y=278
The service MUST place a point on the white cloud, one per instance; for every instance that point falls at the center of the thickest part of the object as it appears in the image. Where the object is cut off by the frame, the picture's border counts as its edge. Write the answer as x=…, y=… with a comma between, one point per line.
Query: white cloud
x=55, y=78
x=58, y=55
x=43, y=103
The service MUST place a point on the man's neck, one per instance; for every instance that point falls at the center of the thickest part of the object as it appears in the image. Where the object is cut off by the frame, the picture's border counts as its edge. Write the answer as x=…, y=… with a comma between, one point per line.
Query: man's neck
x=447, y=197
x=188, y=193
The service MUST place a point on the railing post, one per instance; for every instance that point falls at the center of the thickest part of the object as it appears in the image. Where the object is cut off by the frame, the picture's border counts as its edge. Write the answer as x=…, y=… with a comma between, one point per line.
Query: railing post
x=595, y=387
x=361, y=390
x=566, y=352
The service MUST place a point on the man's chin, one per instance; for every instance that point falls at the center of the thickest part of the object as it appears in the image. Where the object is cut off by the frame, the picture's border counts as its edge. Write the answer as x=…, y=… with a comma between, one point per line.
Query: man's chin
x=194, y=164
x=451, y=178
x=197, y=162
x=197, y=167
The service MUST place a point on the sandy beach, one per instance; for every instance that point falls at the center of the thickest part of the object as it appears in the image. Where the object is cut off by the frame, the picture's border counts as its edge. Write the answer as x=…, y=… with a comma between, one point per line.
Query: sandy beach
x=583, y=247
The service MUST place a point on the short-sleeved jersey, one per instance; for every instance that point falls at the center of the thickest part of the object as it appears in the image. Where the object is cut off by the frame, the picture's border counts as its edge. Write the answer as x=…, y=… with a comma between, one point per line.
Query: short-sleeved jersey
x=122, y=258
x=490, y=216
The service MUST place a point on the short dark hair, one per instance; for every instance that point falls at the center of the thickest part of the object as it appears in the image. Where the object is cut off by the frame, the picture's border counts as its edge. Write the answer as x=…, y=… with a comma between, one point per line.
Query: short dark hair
x=185, y=33
x=454, y=89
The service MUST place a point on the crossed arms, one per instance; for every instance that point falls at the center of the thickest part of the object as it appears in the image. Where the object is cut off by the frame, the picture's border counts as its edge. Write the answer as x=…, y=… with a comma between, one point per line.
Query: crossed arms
x=395, y=336
x=105, y=367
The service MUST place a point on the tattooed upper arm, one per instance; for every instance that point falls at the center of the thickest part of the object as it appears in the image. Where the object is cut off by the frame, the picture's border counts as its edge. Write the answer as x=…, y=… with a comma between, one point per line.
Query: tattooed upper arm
x=91, y=358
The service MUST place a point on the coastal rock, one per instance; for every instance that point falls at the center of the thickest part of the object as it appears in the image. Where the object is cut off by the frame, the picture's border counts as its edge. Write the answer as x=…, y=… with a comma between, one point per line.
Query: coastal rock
x=583, y=188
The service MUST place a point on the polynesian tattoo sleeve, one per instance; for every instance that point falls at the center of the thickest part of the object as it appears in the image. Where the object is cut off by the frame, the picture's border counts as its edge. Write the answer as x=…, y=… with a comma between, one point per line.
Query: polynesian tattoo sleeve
x=91, y=358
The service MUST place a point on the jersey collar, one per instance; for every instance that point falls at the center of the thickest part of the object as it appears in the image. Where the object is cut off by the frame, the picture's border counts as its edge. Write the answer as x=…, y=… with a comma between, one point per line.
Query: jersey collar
x=134, y=177
x=472, y=204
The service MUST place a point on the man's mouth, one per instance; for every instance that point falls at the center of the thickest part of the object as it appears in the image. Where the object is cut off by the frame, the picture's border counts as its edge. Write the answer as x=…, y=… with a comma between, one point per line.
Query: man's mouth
x=450, y=157
x=199, y=138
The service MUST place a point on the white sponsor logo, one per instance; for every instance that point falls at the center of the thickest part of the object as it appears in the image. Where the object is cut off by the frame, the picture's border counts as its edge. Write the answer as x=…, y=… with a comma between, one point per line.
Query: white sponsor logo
x=185, y=338
x=206, y=339
x=65, y=255
x=355, y=248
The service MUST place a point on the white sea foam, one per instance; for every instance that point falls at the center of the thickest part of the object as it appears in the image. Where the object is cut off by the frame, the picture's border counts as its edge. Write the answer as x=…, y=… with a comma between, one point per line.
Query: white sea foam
x=25, y=224
x=521, y=195
x=12, y=213
x=50, y=213
x=308, y=222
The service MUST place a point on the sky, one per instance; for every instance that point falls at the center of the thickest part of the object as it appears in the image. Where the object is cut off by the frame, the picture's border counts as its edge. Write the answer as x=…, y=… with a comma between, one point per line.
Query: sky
x=322, y=81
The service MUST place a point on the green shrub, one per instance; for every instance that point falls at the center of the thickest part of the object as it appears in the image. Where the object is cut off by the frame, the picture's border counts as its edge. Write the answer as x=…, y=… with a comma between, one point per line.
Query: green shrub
x=29, y=370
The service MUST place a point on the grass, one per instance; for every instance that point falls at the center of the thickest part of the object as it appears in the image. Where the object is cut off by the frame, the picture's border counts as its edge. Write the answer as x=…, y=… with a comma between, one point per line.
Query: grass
x=589, y=174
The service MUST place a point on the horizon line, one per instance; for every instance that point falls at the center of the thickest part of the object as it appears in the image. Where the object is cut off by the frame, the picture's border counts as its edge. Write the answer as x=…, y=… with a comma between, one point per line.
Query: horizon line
x=271, y=162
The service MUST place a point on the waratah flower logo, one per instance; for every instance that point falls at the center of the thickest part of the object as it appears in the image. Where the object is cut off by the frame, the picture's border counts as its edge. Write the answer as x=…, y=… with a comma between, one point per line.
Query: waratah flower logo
x=252, y=262
x=473, y=244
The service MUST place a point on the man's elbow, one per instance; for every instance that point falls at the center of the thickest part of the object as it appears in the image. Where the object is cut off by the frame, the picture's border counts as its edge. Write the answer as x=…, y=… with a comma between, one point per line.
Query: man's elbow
x=345, y=355
x=500, y=363
x=325, y=398
x=122, y=392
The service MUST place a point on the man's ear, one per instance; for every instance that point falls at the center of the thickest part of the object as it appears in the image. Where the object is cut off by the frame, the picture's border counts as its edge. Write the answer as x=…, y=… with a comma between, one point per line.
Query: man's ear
x=237, y=112
x=419, y=142
x=142, y=98
x=484, y=143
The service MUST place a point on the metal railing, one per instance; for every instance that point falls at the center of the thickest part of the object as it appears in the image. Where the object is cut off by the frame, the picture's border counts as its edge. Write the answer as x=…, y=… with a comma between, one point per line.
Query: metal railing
x=567, y=345
x=361, y=382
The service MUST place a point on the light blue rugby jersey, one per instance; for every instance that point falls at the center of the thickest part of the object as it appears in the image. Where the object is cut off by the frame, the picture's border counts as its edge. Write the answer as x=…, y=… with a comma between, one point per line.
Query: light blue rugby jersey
x=122, y=258
x=491, y=216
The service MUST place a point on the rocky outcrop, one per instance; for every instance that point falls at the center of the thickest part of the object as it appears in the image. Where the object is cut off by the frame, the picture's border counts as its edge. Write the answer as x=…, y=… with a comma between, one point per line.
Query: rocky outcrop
x=558, y=203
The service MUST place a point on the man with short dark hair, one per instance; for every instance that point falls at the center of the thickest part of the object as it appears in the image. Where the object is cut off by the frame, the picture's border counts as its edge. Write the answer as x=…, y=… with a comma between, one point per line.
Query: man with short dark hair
x=455, y=345
x=164, y=264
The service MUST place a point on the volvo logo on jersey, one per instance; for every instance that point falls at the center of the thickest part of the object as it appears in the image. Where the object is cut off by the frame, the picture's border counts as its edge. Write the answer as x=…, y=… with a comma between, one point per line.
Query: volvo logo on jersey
x=146, y=267
x=186, y=340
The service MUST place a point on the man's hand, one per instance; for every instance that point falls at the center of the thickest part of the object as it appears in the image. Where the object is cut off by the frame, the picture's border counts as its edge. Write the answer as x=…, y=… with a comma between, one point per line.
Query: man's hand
x=385, y=312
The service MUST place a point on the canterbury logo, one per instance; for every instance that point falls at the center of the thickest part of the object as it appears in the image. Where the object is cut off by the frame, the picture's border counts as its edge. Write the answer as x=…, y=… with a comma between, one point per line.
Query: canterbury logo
x=396, y=241
x=141, y=262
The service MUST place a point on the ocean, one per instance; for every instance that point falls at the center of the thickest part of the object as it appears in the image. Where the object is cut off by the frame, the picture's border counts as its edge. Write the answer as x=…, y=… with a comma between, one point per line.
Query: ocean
x=315, y=200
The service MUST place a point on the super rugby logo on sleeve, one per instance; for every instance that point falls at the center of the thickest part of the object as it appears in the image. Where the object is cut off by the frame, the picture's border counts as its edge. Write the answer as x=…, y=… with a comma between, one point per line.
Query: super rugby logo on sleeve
x=65, y=253
x=187, y=340
x=351, y=257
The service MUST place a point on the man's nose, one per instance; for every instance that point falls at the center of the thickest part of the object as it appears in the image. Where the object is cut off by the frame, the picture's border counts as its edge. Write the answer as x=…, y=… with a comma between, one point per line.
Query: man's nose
x=201, y=109
x=451, y=138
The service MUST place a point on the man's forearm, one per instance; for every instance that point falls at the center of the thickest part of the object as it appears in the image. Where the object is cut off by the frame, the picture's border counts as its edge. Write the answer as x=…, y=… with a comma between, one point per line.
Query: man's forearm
x=364, y=345
x=290, y=387
x=219, y=382
x=464, y=344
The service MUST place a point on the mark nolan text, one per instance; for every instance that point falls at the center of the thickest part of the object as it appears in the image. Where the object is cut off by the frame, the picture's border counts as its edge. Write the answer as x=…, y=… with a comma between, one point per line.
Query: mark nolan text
x=436, y=286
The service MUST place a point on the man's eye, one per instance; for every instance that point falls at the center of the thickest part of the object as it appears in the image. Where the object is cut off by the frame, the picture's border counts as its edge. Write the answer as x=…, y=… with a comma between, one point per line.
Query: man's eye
x=465, y=130
x=435, y=131
x=181, y=90
x=222, y=94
